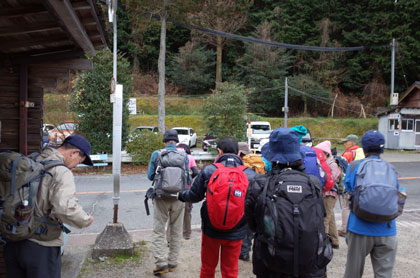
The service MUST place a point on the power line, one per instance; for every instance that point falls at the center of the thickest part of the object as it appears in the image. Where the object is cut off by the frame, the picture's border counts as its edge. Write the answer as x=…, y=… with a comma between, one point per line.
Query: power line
x=269, y=43
x=320, y=99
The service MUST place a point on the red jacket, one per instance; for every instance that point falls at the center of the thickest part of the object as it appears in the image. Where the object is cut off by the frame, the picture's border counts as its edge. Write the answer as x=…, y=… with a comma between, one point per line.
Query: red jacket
x=350, y=153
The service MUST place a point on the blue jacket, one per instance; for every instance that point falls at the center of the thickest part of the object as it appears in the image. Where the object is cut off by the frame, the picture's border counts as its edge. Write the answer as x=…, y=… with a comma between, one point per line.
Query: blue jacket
x=357, y=225
x=197, y=192
x=151, y=170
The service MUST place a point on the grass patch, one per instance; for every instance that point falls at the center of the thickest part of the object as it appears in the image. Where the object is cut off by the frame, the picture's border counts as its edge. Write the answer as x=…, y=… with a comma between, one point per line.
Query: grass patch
x=321, y=128
x=92, y=266
x=185, y=111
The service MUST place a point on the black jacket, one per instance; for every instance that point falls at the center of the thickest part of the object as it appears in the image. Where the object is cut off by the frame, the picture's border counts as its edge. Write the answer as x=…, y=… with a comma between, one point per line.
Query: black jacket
x=197, y=192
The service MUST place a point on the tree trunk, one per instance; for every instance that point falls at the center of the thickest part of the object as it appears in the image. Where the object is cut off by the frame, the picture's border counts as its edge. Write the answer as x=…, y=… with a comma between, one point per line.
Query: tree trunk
x=305, y=106
x=136, y=63
x=219, y=60
x=161, y=68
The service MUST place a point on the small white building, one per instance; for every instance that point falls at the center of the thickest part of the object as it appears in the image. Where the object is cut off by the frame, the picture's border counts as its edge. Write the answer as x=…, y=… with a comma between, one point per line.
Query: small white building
x=401, y=124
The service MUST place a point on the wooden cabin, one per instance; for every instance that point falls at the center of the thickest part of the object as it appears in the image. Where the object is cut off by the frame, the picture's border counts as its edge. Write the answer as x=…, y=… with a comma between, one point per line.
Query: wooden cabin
x=41, y=41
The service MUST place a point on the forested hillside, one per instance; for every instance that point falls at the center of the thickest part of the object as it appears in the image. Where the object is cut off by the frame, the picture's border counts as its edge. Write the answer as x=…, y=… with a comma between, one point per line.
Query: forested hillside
x=316, y=77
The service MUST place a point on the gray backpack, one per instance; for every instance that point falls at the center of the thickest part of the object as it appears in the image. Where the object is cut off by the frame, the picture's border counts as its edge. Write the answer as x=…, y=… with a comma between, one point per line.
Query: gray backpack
x=171, y=175
x=375, y=195
x=20, y=179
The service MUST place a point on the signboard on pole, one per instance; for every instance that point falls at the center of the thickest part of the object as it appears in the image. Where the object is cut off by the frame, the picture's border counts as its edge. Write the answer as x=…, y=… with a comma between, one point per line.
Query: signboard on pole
x=132, y=106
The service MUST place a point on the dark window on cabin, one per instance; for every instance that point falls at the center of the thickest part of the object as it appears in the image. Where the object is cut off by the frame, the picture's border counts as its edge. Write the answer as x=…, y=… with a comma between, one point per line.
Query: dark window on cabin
x=407, y=125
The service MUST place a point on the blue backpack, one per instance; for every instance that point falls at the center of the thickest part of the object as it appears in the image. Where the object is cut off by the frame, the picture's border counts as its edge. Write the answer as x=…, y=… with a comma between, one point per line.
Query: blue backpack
x=311, y=163
x=375, y=195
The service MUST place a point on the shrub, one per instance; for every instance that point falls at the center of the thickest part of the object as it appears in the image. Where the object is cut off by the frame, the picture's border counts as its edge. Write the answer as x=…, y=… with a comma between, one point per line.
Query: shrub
x=143, y=144
x=91, y=101
x=225, y=111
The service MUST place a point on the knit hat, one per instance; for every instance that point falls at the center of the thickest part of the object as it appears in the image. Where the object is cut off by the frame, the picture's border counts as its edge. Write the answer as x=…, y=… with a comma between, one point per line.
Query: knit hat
x=283, y=146
x=301, y=131
x=324, y=146
x=170, y=135
x=373, y=142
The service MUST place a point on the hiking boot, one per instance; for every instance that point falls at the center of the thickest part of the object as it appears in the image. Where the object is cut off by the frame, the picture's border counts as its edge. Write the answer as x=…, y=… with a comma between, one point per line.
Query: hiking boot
x=335, y=246
x=342, y=233
x=158, y=270
x=244, y=257
x=187, y=237
x=171, y=267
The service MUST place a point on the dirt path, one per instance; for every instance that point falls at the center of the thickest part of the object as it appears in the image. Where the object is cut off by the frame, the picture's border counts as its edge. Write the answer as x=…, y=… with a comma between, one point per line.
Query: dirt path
x=190, y=260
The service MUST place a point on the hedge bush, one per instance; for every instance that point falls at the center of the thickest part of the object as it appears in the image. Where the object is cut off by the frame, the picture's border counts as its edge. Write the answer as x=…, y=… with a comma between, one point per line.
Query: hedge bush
x=143, y=144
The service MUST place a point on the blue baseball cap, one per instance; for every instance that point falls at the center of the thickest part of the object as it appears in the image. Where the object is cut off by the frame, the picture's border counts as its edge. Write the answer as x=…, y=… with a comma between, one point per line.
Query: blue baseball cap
x=283, y=146
x=373, y=142
x=82, y=144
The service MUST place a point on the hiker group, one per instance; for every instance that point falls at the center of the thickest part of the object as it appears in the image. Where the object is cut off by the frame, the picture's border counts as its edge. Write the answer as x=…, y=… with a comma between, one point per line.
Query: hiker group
x=280, y=203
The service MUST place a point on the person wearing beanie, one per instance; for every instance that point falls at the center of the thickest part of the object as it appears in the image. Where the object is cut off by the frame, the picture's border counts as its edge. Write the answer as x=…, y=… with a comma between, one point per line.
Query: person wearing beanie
x=330, y=197
x=267, y=205
x=166, y=209
x=366, y=237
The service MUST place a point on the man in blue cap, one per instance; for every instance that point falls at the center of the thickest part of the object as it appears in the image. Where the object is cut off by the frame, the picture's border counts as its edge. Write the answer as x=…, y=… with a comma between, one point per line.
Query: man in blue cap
x=364, y=236
x=36, y=257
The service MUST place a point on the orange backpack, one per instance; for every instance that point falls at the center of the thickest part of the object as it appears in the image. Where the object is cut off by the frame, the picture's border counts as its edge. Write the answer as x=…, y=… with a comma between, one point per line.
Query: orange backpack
x=255, y=162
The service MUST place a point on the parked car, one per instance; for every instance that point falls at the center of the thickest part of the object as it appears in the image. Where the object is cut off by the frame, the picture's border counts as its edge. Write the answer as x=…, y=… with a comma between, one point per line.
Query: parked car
x=154, y=129
x=187, y=136
x=209, y=142
x=141, y=128
x=66, y=128
x=260, y=130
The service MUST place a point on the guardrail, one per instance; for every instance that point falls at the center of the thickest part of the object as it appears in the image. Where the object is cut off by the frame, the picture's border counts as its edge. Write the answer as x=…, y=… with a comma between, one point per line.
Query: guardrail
x=198, y=156
x=98, y=160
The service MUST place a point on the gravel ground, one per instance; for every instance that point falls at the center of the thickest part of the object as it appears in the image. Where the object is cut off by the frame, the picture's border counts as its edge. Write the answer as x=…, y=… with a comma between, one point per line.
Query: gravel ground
x=407, y=263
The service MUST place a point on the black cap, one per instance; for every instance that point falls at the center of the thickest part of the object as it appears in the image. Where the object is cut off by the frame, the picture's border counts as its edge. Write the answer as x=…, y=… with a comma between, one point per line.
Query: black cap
x=82, y=144
x=170, y=135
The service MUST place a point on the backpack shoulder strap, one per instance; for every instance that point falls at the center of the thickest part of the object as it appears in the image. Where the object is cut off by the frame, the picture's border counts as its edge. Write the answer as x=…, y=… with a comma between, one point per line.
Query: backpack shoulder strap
x=354, y=163
x=218, y=165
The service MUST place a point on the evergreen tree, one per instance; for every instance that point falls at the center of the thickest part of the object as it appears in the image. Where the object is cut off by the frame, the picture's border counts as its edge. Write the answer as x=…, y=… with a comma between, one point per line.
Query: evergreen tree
x=91, y=101
x=264, y=68
x=193, y=68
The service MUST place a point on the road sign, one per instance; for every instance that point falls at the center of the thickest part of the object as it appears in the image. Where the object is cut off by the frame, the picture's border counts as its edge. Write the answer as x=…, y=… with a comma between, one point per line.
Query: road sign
x=113, y=85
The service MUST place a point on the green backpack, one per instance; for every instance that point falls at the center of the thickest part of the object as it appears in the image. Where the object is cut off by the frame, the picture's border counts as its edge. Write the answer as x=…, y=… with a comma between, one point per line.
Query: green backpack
x=20, y=179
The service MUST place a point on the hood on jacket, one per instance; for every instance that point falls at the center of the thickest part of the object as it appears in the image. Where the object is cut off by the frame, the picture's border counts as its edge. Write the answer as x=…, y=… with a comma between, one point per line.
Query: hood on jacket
x=324, y=146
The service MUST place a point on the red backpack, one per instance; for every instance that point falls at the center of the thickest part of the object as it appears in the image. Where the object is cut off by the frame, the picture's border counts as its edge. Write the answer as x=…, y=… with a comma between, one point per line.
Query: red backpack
x=226, y=196
x=329, y=182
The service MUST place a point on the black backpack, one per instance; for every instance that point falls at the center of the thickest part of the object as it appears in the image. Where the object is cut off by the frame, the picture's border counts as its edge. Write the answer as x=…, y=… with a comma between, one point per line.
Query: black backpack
x=290, y=214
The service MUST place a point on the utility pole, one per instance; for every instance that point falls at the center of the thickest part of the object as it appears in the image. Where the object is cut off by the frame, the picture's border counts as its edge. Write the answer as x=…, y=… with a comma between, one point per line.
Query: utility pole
x=114, y=239
x=394, y=96
x=285, y=108
x=117, y=121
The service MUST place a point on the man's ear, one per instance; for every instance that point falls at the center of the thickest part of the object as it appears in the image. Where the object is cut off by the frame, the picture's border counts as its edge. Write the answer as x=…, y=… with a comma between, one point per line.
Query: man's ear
x=219, y=151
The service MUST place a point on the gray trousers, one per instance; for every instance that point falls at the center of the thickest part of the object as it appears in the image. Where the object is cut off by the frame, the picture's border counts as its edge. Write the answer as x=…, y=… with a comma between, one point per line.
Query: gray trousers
x=173, y=210
x=382, y=250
